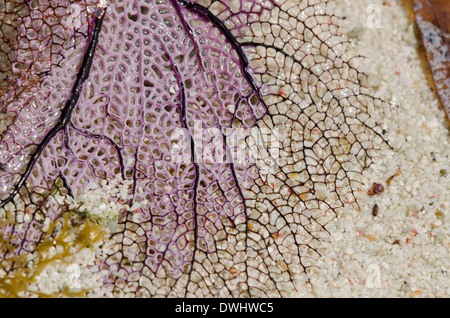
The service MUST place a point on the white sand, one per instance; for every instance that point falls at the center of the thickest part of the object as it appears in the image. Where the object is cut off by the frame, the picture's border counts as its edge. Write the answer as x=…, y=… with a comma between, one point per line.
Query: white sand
x=404, y=250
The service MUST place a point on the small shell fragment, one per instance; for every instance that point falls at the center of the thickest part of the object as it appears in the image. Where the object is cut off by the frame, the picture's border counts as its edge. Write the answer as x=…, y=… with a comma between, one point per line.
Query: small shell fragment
x=375, y=189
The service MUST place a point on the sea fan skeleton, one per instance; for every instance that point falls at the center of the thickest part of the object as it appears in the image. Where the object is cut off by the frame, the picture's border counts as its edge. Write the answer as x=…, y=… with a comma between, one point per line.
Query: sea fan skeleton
x=260, y=98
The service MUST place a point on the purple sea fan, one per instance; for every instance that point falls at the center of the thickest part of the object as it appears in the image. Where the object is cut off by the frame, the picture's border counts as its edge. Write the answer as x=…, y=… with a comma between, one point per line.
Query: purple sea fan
x=240, y=126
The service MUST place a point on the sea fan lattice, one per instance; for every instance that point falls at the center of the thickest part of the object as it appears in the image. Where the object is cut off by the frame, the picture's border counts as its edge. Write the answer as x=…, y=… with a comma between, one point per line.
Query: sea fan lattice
x=275, y=132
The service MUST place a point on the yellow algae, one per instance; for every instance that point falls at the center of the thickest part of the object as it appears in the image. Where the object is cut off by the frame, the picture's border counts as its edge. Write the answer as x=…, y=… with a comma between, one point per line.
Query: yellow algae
x=67, y=241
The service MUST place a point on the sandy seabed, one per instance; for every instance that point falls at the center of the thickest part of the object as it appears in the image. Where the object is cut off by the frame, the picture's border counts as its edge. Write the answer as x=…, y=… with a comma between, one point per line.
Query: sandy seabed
x=403, y=251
